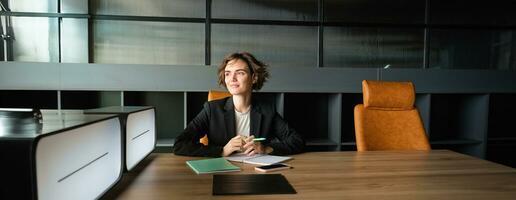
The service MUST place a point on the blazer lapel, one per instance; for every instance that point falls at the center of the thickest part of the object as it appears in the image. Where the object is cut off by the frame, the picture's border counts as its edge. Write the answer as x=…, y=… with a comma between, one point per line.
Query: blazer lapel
x=256, y=120
x=229, y=118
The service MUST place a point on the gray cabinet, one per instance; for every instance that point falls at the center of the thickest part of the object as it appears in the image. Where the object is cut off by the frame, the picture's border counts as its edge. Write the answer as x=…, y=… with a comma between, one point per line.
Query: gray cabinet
x=468, y=111
x=501, y=138
x=138, y=131
x=459, y=122
x=65, y=157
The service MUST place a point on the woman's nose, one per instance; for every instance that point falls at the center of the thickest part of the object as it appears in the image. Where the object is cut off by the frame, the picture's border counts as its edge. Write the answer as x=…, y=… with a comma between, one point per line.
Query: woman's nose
x=233, y=77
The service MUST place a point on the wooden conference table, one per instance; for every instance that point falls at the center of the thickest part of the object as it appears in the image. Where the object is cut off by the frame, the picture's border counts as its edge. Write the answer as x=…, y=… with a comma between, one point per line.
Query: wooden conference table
x=436, y=174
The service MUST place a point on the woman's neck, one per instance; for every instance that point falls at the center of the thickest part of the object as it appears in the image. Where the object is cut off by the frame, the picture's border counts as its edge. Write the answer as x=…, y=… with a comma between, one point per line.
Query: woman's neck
x=242, y=102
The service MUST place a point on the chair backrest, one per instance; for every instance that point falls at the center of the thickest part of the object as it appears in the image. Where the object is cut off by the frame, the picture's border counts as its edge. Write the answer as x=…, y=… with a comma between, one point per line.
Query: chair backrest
x=388, y=119
x=213, y=95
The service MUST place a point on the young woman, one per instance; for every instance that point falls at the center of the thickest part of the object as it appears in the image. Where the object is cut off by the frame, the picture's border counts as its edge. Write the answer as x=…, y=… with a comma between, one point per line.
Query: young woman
x=233, y=122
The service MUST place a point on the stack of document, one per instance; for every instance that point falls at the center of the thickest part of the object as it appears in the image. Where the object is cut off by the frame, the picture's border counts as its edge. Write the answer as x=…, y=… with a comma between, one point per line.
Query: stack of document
x=258, y=159
x=212, y=165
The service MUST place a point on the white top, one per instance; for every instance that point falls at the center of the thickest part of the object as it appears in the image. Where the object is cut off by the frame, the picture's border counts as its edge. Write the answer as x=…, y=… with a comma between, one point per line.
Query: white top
x=243, y=121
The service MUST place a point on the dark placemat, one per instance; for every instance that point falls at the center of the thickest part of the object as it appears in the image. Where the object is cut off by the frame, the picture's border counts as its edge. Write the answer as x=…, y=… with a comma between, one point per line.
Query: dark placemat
x=251, y=184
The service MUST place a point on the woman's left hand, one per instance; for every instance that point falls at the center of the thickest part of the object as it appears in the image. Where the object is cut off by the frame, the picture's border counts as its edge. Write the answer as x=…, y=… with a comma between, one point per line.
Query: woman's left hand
x=252, y=147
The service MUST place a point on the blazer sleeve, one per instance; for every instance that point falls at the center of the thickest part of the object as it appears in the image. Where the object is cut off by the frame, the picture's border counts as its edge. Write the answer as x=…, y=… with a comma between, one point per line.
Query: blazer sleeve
x=188, y=144
x=289, y=141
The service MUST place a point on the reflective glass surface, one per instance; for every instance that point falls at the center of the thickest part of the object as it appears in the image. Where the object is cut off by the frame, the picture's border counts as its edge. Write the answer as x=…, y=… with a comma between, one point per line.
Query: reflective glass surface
x=472, y=49
x=373, y=47
x=74, y=6
x=503, y=51
x=49, y=6
x=35, y=39
x=161, y=8
x=74, y=40
x=297, y=10
x=143, y=42
x=373, y=11
x=294, y=46
x=464, y=12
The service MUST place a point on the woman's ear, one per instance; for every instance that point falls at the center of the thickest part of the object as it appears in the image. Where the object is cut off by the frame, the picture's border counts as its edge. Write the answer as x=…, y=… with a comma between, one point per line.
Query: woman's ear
x=255, y=78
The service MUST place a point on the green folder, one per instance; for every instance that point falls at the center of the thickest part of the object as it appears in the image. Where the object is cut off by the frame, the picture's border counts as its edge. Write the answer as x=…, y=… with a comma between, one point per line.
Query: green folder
x=212, y=165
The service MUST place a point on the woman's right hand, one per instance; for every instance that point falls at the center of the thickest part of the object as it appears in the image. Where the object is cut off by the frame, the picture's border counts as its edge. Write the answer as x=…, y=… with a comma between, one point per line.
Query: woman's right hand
x=235, y=144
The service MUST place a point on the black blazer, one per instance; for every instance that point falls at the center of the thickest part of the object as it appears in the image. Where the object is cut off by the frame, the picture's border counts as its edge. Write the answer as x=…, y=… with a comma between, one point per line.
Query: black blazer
x=217, y=119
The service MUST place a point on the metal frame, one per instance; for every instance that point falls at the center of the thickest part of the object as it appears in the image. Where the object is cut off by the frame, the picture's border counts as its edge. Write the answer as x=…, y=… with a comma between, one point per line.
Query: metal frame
x=208, y=20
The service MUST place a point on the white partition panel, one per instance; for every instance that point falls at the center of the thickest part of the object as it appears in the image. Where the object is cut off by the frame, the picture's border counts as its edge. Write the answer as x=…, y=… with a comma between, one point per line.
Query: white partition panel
x=79, y=163
x=140, y=136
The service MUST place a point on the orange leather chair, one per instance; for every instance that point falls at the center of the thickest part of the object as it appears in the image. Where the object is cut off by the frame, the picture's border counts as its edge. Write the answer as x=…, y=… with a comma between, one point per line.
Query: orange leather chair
x=388, y=119
x=213, y=95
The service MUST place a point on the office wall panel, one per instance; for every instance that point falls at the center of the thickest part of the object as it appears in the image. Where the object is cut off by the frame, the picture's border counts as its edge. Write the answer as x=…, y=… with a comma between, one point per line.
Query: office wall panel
x=159, y=8
x=74, y=40
x=503, y=50
x=373, y=47
x=464, y=12
x=295, y=10
x=373, y=11
x=294, y=46
x=454, y=49
x=472, y=49
x=138, y=77
x=74, y=6
x=29, y=76
x=35, y=39
x=74, y=76
x=33, y=6
x=140, y=42
x=454, y=81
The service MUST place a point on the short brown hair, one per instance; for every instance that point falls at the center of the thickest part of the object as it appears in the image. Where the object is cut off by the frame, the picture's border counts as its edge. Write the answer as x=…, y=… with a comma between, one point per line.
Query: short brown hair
x=256, y=67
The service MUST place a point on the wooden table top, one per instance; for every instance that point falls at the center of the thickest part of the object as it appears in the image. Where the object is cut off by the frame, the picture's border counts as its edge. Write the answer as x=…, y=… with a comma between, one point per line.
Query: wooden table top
x=436, y=174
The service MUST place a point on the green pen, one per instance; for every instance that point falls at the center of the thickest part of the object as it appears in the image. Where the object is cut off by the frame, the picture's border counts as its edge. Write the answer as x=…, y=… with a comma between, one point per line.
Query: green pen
x=259, y=139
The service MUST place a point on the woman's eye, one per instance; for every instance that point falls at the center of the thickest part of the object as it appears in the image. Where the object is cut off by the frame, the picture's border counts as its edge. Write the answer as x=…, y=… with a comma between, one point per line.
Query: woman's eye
x=226, y=74
x=241, y=73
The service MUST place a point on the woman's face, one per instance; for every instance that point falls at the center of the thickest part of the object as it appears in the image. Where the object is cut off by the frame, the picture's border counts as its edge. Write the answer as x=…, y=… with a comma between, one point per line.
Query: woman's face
x=238, y=77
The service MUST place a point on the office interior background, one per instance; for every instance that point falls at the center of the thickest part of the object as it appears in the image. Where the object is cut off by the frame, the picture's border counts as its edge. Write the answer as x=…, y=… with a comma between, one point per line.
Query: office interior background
x=461, y=55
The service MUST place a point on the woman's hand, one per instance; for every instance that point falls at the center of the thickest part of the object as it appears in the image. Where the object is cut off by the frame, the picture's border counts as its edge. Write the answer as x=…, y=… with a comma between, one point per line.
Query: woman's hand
x=235, y=144
x=252, y=147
